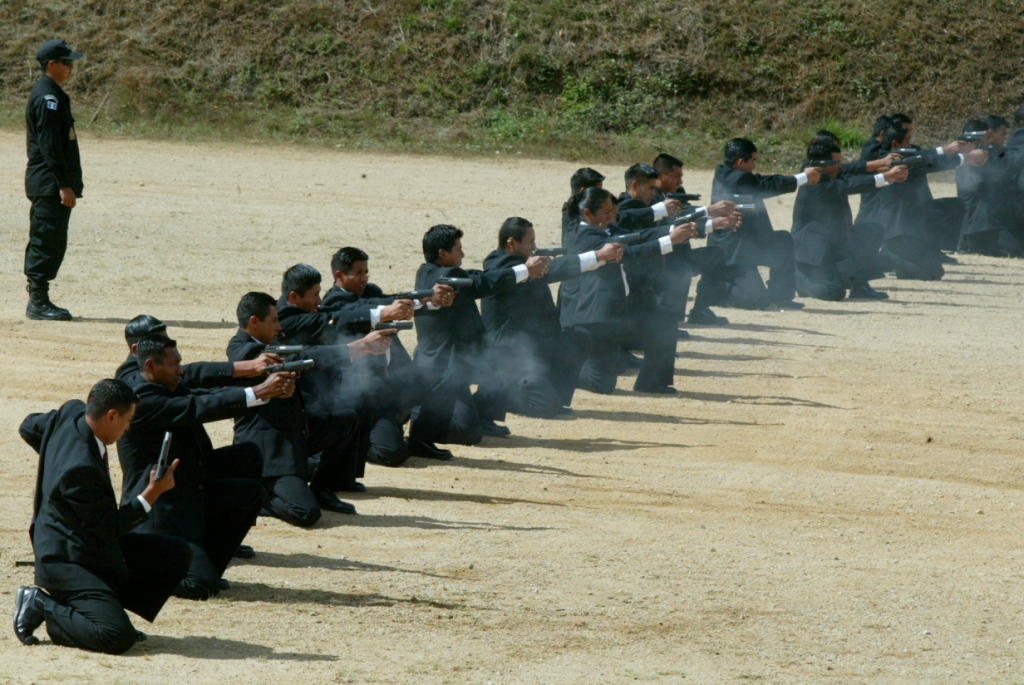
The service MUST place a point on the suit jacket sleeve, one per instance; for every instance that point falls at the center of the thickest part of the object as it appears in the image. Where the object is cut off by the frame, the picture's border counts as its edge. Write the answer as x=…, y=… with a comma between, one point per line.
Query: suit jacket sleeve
x=165, y=412
x=32, y=428
x=765, y=186
x=208, y=374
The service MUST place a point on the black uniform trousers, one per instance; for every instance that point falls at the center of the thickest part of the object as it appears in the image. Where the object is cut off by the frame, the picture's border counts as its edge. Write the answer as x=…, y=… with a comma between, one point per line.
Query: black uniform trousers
x=914, y=259
x=853, y=260
x=290, y=498
x=744, y=287
x=993, y=244
x=946, y=216
x=653, y=330
x=390, y=408
x=537, y=378
x=47, y=238
x=449, y=415
x=680, y=268
x=233, y=497
x=96, y=620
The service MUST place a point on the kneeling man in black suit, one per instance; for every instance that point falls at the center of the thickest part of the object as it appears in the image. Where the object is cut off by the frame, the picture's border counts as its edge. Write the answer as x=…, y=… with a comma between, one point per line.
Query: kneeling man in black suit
x=91, y=566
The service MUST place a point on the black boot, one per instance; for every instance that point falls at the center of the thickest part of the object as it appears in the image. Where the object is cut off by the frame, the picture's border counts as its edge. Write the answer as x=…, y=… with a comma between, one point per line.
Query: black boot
x=39, y=306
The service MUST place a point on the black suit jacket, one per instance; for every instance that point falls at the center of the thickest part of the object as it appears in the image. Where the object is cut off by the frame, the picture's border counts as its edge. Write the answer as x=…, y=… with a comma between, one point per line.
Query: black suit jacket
x=599, y=296
x=740, y=246
x=372, y=297
x=53, y=158
x=822, y=216
x=450, y=340
x=989, y=193
x=181, y=511
x=197, y=374
x=901, y=206
x=529, y=308
x=76, y=523
x=278, y=427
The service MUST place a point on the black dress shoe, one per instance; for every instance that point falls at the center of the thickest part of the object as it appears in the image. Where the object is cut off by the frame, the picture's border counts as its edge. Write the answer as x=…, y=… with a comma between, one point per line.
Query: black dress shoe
x=354, y=486
x=946, y=259
x=656, y=389
x=866, y=292
x=245, y=551
x=706, y=317
x=329, y=501
x=490, y=428
x=682, y=335
x=28, y=614
x=140, y=636
x=223, y=585
x=565, y=411
x=428, y=450
x=786, y=304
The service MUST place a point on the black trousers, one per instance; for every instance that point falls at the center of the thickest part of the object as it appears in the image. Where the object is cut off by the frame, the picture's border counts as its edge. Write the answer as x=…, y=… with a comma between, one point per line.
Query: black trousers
x=851, y=261
x=342, y=440
x=448, y=415
x=744, y=287
x=652, y=330
x=290, y=499
x=538, y=377
x=681, y=267
x=910, y=258
x=945, y=217
x=96, y=620
x=992, y=244
x=403, y=389
x=47, y=238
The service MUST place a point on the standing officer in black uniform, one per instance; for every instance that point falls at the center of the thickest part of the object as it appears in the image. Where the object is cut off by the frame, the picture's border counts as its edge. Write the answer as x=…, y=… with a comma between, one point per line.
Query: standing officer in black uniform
x=53, y=179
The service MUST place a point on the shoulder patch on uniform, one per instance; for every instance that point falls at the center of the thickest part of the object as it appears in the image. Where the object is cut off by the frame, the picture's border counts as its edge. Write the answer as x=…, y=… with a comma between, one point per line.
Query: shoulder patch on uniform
x=50, y=96
x=51, y=105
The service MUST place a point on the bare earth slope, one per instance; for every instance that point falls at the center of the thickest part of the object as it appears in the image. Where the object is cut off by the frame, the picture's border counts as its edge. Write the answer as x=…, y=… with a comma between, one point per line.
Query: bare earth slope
x=835, y=495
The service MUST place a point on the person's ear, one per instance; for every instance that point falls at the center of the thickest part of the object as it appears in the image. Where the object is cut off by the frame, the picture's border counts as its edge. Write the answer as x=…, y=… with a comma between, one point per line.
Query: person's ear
x=111, y=415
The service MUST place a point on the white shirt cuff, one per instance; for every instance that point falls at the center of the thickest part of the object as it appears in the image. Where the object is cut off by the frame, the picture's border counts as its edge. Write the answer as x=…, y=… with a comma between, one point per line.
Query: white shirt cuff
x=522, y=273
x=250, y=399
x=940, y=150
x=589, y=262
x=801, y=179
x=666, y=244
x=660, y=212
x=375, y=314
x=961, y=156
x=709, y=226
x=431, y=306
x=880, y=181
x=145, y=505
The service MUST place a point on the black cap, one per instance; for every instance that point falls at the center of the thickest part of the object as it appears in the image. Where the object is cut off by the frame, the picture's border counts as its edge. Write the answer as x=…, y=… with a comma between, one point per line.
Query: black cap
x=56, y=49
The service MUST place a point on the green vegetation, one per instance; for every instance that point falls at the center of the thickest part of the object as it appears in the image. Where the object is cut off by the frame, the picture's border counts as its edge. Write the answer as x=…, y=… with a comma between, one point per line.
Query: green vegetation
x=604, y=79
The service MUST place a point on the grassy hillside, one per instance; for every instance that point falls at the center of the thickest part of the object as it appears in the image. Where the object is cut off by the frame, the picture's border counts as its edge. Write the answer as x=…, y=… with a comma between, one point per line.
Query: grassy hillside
x=605, y=78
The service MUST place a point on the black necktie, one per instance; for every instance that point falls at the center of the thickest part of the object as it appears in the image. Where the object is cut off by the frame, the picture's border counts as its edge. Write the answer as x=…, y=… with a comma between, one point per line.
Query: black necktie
x=106, y=462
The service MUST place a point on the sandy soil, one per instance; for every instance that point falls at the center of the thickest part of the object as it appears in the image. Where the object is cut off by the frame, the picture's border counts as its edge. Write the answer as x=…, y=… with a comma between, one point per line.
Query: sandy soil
x=834, y=496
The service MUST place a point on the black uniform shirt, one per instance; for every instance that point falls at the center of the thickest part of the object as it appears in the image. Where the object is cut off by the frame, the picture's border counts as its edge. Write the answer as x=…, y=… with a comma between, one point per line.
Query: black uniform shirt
x=53, y=160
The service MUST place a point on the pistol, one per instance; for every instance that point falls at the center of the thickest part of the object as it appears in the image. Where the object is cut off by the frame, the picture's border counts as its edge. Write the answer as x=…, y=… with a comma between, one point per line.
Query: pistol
x=163, y=462
x=911, y=161
x=971, y=136
x=455, y=282
x=393, y=326
x=296, y=366
x=683, y=197
x=822, y=162
x=743, y=202
x=626, y=238
x=550, y=251
x=694, y=215
x=905, y=151
x=284, y=350
x=414, y=295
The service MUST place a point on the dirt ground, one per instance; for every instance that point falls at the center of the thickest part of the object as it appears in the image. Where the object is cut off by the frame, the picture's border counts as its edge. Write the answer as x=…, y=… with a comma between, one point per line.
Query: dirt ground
x=834, y=496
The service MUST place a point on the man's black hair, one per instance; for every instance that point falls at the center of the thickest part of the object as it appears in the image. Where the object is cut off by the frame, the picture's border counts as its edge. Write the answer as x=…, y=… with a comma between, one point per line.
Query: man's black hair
x=901, y=119
x=345, y=258
x=514, y=227
x=881, y=123
x=641, y=173
x=739, y=149
x=437, y=238
x=592, y=199
x=894, y=134
x=253, y=304
x=975, y=125
x=994, y=122
x=109, y=394
x=141, y=326
x=822, y=149
x=299, y=279
x=153, y=346
x=584, y=178
x=665, y=163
